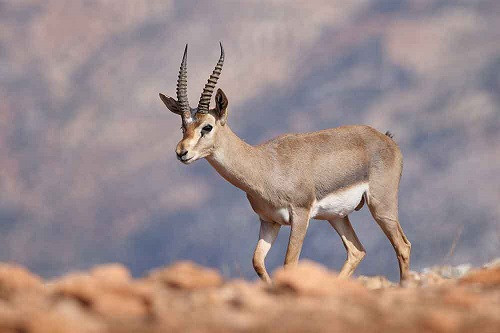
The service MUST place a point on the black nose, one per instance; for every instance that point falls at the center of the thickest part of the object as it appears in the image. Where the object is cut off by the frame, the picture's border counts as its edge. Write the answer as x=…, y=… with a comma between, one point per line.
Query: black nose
x=181, y=154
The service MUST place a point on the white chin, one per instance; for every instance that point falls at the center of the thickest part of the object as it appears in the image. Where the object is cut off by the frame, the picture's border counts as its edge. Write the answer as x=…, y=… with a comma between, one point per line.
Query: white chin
x=189, y=161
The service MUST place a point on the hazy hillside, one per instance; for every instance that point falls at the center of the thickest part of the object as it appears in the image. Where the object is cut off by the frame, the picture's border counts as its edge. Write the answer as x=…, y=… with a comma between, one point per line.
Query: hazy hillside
x=87, y=166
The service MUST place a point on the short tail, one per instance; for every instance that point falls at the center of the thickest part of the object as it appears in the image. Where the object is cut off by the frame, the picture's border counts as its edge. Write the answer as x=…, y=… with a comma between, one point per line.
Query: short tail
x=389, y=134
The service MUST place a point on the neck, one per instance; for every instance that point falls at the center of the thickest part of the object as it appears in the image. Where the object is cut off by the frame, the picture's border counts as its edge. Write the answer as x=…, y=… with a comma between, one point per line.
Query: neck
x=236, y=161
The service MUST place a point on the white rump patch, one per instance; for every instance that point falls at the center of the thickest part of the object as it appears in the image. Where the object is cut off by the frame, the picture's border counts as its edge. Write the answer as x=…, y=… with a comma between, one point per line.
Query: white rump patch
x=340, y=203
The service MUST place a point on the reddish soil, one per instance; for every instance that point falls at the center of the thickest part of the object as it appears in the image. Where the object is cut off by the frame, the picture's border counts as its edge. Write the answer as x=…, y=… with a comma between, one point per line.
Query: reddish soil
x=189, y=298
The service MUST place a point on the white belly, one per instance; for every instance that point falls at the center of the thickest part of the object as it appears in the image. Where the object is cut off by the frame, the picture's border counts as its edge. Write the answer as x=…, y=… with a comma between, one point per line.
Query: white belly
x=334, y=205
x=339, y=204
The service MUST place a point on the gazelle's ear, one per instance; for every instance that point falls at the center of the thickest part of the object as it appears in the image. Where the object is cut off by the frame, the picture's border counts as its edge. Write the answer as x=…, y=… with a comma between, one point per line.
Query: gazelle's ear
x=221, y=106
x=170, y=103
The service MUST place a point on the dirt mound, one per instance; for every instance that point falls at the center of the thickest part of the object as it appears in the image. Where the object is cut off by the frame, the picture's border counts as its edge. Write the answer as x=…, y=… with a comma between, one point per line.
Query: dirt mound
x=191, y=298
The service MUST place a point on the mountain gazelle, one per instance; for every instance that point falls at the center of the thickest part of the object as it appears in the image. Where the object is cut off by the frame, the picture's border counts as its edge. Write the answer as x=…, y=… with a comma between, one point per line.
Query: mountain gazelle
x=288, y=180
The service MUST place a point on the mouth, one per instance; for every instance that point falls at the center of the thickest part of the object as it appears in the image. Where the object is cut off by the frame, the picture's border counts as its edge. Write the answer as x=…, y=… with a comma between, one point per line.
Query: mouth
x=188, y=160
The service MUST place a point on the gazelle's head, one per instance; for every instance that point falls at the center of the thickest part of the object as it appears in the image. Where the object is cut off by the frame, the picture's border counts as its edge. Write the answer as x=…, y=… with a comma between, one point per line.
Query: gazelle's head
x=200, y=125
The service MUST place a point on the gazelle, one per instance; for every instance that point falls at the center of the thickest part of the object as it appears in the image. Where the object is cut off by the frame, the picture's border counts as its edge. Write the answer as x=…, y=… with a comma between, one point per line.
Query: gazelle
x=322, y=175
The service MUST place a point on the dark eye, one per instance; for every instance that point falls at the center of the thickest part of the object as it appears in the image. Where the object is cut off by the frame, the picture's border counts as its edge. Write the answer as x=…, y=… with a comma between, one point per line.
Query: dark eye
x=206, y=129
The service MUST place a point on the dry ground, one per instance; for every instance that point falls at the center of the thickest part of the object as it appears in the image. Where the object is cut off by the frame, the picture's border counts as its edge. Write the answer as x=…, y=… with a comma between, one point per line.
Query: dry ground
x=189, y=298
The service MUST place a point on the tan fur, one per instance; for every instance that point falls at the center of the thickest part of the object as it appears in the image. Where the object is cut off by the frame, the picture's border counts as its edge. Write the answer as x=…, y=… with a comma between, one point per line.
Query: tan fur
x=286, y=178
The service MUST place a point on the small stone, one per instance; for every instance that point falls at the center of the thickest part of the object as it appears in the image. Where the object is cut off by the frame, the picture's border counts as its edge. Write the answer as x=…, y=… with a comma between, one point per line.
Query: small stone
x=111, y=273
x=187, y=275
x=375, y=282
x=492, y=264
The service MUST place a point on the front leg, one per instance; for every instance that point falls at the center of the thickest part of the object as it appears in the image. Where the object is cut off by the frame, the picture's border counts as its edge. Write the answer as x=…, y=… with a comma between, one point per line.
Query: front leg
x=267, y=236
x=299, y=223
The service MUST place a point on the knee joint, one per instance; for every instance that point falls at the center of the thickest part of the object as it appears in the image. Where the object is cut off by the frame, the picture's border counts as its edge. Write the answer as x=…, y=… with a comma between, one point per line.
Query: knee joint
x=405, y=253
x=258, y=265
x=356, y=255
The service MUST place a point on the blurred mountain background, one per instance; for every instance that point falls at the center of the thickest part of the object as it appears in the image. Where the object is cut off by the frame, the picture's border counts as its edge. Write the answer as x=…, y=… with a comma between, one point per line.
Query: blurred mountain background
x=88, y=172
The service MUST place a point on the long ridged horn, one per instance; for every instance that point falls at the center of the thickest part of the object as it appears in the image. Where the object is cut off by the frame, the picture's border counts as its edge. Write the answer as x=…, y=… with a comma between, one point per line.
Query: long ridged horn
x=182, y=98
x=206, y=95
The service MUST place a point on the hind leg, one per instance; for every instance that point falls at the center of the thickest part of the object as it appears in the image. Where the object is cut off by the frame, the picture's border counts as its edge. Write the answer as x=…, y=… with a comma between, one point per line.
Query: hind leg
x=384, y=209
x=354, y=248
x=299, y=224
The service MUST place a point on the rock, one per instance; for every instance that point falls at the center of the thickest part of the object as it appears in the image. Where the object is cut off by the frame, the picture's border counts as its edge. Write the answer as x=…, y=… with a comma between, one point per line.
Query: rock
x=492, y=264
x=440, y=320
x=50, y=322
x=449, y=272
x=239, y=294
x=431, y=279
x=375, y=282
x=10, y=319
x=111, y=273
x=486, y=277
x=187, y=275
x=15, y=279
x=120, y=305
x=107, y=291
x=311, y=279
x=188, y=298
x=79, y=286
x=460, y=297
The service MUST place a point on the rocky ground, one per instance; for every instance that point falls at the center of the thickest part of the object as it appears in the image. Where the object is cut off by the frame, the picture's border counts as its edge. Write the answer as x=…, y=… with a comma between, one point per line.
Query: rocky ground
x=190, y=298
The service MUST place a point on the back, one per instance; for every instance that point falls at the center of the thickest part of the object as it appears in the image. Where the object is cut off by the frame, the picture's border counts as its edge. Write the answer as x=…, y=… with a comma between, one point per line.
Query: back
x=325, y=161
